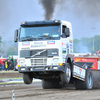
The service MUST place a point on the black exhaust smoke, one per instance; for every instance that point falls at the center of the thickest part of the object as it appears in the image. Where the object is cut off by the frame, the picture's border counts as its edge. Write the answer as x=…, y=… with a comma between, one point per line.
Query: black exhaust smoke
x=49, y=7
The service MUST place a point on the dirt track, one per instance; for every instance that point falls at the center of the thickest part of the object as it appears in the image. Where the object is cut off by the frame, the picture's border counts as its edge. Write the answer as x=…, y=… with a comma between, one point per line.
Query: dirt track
x=15, y=74
x=35, y=91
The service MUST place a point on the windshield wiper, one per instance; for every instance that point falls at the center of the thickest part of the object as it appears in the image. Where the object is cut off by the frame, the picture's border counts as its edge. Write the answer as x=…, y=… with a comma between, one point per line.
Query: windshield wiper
x=46, y=37
x=29, y=38
x=50, y=37
x=41, y=37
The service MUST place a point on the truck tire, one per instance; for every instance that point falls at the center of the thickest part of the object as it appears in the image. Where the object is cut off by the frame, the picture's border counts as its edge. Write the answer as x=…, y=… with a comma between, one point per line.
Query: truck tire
x=27, y=78
x=66, y=76
x=47, y=84
x=87, y=84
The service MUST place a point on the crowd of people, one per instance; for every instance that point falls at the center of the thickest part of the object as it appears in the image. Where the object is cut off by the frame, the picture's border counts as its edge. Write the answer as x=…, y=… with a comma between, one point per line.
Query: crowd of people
x=6, y=64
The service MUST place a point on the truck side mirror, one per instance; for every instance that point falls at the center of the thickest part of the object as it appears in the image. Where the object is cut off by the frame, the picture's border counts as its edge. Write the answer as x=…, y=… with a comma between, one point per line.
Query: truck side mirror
x=67, y=32
x=16, y=36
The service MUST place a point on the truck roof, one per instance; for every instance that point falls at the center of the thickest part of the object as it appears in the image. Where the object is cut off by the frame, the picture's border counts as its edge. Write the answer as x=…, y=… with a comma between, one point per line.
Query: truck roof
x=43, y=23
x=36, y=23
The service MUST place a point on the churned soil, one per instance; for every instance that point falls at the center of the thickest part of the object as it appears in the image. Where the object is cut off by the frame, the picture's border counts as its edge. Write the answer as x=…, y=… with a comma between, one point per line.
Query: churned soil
x=34, y=91
x=16, y=74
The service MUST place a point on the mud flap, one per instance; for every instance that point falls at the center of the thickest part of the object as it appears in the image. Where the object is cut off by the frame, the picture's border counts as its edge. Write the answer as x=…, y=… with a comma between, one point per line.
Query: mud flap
x=79, y=70
x=88, y=83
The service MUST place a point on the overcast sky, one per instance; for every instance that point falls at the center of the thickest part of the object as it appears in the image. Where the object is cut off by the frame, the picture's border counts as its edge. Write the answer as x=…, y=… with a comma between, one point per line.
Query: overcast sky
x=83, y=14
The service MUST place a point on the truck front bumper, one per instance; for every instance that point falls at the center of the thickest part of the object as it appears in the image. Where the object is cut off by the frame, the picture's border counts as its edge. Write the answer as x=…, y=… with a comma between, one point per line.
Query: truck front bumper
x=41, y=68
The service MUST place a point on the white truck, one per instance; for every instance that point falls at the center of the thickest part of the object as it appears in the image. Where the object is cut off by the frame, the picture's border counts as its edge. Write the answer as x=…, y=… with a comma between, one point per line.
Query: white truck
x=45, y=51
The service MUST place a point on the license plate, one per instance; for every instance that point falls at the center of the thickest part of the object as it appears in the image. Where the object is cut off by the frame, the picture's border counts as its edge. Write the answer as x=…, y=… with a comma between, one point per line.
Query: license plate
x=79, y=72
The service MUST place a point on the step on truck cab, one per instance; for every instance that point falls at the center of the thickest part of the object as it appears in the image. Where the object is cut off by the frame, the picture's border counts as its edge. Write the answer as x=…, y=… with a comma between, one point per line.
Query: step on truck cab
x=45, y=52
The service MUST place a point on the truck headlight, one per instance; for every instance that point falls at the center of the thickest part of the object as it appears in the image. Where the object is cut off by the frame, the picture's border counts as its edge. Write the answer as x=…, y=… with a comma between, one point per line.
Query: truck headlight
x=22, y=69
x=52, y=52
x=55, y=67
x=21, y=62
x=55, y=60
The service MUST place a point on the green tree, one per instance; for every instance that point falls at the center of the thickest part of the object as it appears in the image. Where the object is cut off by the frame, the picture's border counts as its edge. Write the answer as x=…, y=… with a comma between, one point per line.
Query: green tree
x=75, y=43
x=85, y=45
x=12, y=50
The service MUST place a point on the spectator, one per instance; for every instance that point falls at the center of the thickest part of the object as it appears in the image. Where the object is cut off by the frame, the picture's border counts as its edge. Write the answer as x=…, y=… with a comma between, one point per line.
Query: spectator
x=12, y=58
x=8, y=64
x=12, y=63
x=1, y=64
x=4, y=64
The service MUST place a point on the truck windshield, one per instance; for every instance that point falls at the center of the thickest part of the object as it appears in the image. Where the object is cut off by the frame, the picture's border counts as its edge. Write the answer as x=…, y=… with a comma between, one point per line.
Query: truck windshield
x=40, y=33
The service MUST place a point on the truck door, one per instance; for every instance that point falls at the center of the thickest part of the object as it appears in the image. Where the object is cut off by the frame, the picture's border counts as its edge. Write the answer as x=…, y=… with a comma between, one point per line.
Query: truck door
x=65, y=42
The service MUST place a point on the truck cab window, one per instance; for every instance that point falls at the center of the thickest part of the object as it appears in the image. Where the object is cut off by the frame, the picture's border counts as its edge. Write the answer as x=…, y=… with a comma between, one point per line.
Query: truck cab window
x=41, y=32
x=63, y=31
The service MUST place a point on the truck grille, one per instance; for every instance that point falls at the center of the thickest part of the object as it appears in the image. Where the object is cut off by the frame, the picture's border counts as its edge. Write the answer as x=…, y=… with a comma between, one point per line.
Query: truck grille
x=38, y=62
x=46, y=53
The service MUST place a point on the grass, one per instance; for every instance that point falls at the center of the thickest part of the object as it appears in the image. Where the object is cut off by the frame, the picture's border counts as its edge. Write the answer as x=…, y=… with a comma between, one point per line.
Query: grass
x=10, y=78
x=15, y=82
x=10, y=71
x=10, y=83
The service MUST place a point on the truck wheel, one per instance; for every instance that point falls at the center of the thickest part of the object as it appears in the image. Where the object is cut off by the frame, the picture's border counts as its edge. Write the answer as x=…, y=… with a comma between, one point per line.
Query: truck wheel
x=56, y=83
x=27, y=78
x=66, y=76
x=88, y=83
x=47, y=84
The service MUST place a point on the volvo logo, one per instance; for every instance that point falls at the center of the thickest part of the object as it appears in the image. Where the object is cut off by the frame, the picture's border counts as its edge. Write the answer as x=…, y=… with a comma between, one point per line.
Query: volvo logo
x=38, y=53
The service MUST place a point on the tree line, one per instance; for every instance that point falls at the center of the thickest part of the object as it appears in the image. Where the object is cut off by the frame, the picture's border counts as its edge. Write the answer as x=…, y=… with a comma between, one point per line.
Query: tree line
x=86, y=44
x=83, y=45
x=8, y=48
